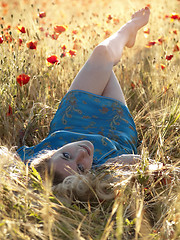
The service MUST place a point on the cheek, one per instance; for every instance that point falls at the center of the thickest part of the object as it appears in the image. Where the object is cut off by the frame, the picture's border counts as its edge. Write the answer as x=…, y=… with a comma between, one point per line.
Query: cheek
x=65, y=168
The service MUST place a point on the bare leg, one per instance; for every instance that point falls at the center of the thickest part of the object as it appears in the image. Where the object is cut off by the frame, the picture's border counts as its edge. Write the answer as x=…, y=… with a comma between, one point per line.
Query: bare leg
x=95, y=75
x=113, y=89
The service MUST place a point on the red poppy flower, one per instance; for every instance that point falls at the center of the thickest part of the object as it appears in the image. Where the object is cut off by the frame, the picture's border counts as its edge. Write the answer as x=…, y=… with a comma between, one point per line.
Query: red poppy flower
x=109, y=17
x=60, y=29
x=146, y=30
x=174, y=16
x=23, y=79
x=55, y=36
x=8, y=27
x=176, y=48
x=4, y=5
x=107, y=33
x=20, y=41
x=10, y=112
x=63, y=54
x=21, y=29
x=116, y=20
x=132, y=85
x=1, y=39
x=63, y=47
x=150, y=44
x=169, y=57
x=175, y=31
x=41, y=29
x=161, y=40
x=32, y=45
x=53, y=59
x=162, y=66
x=42, y=14
x=74, y=31
x=8, y=37
x=72, y=52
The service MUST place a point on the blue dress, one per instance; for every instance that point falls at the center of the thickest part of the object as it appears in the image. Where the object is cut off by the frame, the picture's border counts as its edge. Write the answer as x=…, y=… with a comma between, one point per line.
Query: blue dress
x=81, y=115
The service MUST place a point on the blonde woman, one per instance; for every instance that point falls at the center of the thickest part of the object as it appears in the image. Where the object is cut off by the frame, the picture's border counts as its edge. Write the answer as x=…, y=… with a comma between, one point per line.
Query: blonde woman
x=92, y=125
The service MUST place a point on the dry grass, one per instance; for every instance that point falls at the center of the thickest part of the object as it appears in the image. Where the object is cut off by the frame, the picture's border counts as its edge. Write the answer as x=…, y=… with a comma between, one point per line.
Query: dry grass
x=144, y=208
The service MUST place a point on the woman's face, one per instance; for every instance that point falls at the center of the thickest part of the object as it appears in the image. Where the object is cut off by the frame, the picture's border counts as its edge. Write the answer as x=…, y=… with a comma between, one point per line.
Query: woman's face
x=76, y=157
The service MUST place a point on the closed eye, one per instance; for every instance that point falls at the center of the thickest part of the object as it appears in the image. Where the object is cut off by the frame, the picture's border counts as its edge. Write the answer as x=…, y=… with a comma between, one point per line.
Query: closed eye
x=66, y=155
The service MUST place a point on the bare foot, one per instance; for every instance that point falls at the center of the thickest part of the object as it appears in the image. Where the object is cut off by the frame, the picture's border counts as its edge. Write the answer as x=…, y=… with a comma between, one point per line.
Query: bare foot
x=138, y=20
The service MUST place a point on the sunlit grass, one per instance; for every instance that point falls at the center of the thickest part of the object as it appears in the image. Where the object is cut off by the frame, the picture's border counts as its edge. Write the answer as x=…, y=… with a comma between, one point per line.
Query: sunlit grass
x=142, y=209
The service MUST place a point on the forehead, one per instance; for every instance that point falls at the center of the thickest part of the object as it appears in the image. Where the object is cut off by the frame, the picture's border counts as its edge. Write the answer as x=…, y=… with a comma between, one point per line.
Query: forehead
x=66, y=147
x=69, y=146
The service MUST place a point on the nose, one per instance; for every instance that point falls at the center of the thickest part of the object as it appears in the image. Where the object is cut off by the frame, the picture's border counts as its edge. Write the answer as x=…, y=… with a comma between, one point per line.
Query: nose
x=83, y=159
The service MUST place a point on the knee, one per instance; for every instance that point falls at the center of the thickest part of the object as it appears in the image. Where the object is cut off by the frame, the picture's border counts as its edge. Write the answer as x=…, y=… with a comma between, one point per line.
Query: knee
x=102, y=54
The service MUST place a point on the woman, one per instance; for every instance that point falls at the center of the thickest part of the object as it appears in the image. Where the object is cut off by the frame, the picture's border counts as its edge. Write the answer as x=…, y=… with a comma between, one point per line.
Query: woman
x=92, y=124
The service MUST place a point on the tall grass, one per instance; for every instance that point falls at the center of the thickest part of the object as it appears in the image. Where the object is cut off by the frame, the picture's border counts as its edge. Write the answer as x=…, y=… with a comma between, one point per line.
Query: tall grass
x=145, y=208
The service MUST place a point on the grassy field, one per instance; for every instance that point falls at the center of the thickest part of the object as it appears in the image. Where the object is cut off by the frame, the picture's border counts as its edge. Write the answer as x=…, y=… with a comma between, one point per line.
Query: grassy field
x=146, y=207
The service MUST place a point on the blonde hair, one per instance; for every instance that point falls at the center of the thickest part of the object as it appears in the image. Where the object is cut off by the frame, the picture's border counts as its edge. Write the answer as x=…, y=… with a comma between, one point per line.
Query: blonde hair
x=99, y=186
x=42, y=162
x=82, y=187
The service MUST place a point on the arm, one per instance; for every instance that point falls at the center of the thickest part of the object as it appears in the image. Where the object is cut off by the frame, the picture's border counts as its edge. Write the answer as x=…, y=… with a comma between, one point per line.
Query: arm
x=125, y=159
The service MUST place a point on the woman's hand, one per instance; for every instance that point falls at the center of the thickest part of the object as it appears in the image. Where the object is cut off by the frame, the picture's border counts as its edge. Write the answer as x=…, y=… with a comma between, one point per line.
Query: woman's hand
x=125, y=159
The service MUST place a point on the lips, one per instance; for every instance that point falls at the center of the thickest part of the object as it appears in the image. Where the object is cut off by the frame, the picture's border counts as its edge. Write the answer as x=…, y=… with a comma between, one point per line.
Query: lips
x=86, y=148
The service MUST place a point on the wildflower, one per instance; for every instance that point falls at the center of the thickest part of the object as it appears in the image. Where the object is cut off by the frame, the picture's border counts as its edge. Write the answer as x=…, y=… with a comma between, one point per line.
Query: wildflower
x=10, y=112
x=7, y=28
x=1, y=39
x=175, y=31
x=63, y=54
x=63, y=47
x=47, y=34
x=165, y=88
x=72, y=52
x=32, y=45
x=8, y=37
x=23, y=79
x=76, y=46
x=20, y=41
x=107, y=33
x=146, y=30
x=21, y=29
x=169, y=57
x=162, y=66
x=160, y=40
x=132, y=85
x=74, y=31
x=176, y=48
x=109, y=17
x=174, y=16
x=55, y=36
x=41, y=29
x=4, y=5
x=116, y=20
x=150, y=44
x=53, y=59
x=60, y=29
x=42, y=14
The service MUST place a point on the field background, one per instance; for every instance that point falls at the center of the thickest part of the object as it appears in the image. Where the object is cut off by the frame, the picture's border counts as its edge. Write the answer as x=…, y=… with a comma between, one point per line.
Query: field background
x=151, y=86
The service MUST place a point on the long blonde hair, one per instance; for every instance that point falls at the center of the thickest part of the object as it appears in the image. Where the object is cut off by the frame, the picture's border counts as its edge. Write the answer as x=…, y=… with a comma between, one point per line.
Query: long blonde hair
x=81, y=187
x=102, y=184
